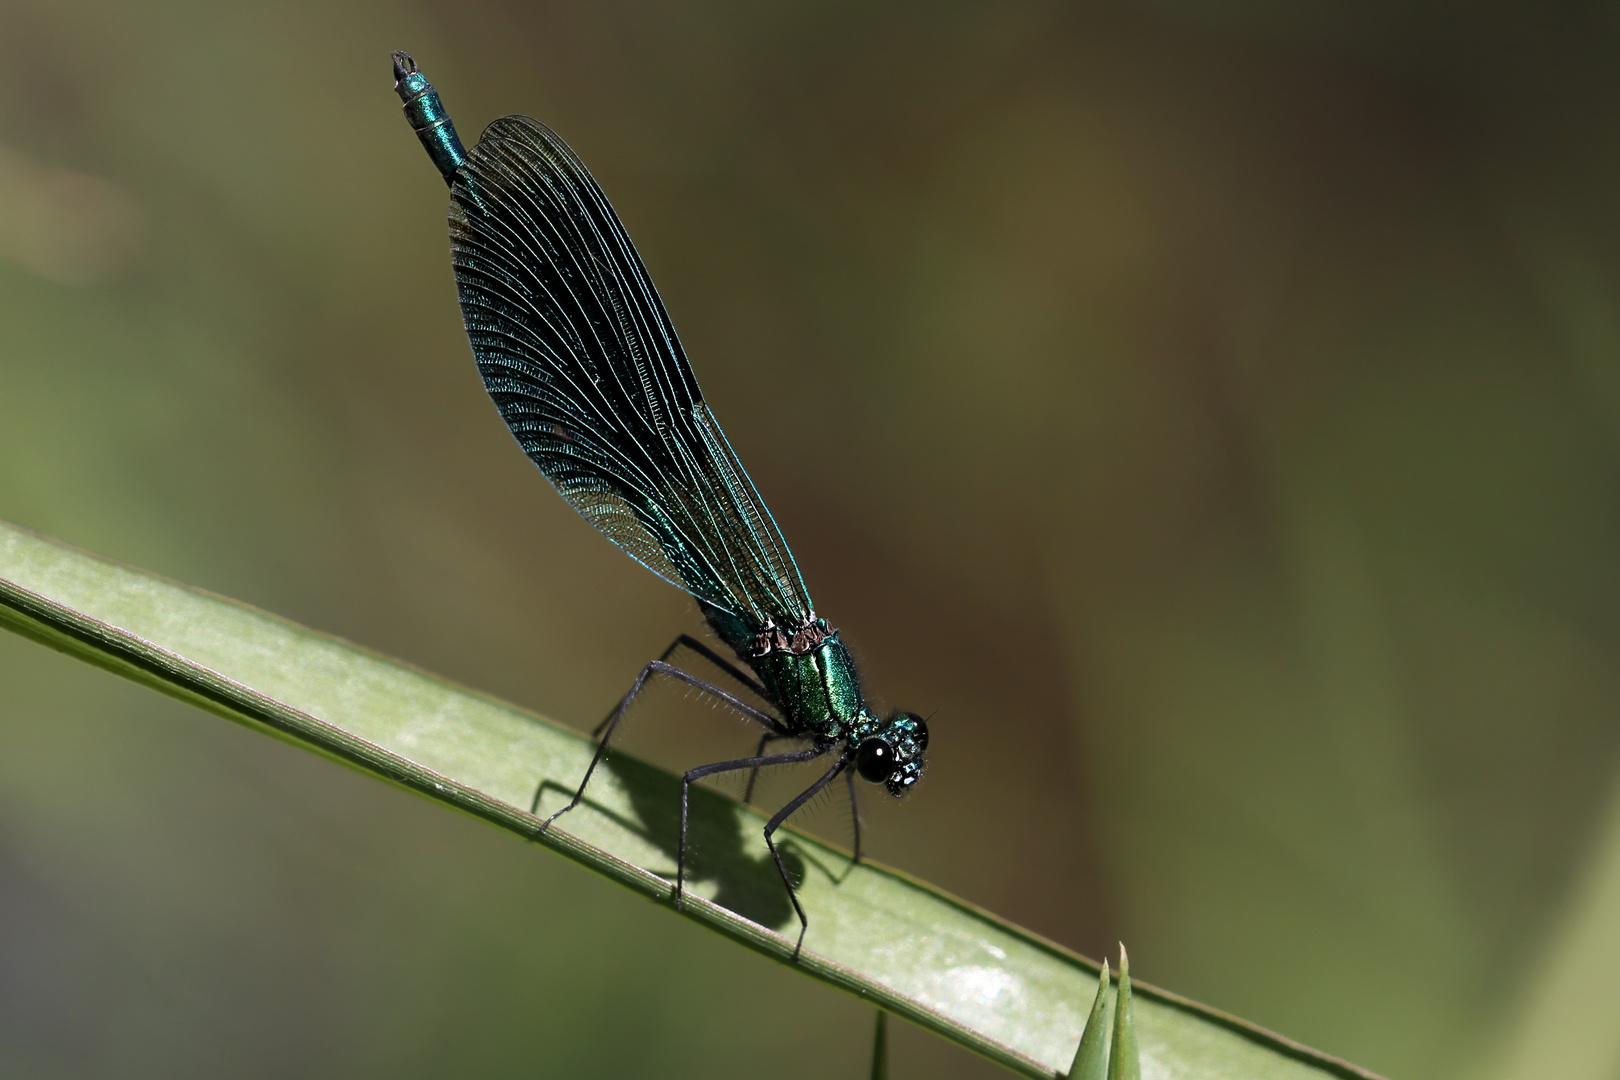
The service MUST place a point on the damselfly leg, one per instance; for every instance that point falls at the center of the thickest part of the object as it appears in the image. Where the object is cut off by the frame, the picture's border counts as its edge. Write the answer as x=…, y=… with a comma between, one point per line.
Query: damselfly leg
x=687, y=641
x=854, y=802
x=658, y=667
x=791, y=758
x=854, y=814
x=753, y=774
x=776, y=822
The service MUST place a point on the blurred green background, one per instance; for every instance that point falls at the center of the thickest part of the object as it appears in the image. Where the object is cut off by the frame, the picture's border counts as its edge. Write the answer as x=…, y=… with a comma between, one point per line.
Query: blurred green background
x=1210, y=413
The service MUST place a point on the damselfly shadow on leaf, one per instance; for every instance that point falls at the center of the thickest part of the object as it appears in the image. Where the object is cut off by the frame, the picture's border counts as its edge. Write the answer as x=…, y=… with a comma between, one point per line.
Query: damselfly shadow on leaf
x=581, y=359
x=740, y=877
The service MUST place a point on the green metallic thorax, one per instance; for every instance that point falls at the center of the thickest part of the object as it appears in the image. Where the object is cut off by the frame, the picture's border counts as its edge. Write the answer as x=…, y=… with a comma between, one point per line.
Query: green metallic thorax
x=818, y=690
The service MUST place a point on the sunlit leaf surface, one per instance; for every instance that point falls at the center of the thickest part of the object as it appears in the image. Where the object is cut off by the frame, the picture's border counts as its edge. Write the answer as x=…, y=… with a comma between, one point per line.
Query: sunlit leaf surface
x=899, y=943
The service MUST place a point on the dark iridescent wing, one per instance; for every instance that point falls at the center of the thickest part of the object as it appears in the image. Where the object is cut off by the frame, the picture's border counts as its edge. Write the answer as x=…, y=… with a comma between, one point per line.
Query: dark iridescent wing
x=578, y=353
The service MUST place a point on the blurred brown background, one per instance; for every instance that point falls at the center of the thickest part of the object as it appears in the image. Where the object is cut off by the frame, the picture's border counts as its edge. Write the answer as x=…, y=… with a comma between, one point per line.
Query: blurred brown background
x=1210, y=413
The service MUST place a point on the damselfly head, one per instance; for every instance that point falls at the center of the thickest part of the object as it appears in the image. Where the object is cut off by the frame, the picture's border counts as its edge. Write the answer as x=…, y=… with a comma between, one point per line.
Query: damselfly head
x=893, y=755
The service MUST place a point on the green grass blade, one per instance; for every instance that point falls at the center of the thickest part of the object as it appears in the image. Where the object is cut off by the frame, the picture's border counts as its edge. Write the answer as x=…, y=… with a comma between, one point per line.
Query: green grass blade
x=1091, y=1059
x=880, y=1047
x=1124, y=1059
x=901, y=944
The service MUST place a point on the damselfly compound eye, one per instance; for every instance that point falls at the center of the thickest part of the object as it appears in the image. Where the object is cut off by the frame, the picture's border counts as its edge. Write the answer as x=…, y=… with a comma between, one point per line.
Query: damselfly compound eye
x=874, y=761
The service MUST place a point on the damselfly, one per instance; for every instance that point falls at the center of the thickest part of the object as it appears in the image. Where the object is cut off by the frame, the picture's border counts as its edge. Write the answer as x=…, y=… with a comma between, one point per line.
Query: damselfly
x=577, y=351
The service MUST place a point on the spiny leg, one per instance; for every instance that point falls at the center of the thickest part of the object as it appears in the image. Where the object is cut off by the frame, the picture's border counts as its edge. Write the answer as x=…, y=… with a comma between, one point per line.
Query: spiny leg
x=729, y=766
x=764, y=740
x=854, y=814
x=654, y=667
x=702, y=650
x=716, y=659
x=776, y=823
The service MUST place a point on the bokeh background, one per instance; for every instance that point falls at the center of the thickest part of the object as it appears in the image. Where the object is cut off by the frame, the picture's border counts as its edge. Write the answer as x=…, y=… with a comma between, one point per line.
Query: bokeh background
x=1209, y=413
